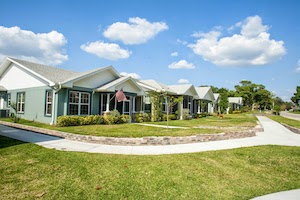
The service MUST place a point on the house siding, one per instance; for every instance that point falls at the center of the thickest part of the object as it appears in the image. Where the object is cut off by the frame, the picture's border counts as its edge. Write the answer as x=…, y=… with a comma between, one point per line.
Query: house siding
x=34, y=103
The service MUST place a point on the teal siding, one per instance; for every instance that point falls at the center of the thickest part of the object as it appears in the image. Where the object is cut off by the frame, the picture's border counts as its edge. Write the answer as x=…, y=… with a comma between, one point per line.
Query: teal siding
x=95, y=104
x=34, y=103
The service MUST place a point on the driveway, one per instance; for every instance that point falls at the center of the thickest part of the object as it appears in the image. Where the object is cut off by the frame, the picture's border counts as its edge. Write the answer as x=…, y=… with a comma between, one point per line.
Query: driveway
x=290, y=115
x=274, y=134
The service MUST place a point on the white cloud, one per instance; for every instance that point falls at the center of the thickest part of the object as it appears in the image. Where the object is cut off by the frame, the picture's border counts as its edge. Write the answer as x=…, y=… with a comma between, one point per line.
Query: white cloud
x=104, y=50
x=174, y=54
x=251, y=47
x=46, y=48
x=182, y=42
x=298, y=66
x=137, y=31
x=132, y=75
x=182, y=64
x=183, y=81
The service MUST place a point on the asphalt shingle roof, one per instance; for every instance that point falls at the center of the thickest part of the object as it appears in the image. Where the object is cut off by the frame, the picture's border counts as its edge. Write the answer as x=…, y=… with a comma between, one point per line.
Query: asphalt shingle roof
x=53, y=74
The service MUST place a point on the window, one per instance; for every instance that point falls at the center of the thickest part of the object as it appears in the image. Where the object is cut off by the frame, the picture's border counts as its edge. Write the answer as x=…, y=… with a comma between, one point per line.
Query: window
x=79, y=103
x=48, y=105
x=147, y=104
x=21, y=102
x=8, y=100
x=165, y=104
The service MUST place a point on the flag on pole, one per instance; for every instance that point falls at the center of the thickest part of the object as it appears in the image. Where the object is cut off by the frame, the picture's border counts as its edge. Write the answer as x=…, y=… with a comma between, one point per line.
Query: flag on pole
x=120, y=95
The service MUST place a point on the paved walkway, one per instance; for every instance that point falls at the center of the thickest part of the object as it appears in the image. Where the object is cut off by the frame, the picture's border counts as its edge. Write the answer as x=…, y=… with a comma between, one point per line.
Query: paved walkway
x=274, y=134
x=285, y=195
x=290, y=115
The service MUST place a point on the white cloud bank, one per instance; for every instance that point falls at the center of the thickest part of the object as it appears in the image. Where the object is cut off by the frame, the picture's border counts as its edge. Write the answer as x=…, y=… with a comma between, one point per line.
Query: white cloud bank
x=251, y=47
x=104, y=50
x=132, y=75
x=183, y=81
x=46, y=48
x=182, y=64
x=137, y=31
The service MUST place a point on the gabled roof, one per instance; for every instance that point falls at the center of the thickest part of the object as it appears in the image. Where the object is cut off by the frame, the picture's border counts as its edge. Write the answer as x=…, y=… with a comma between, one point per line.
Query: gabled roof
x=82, y=75
x=52, y=74
x=183, y=89
x=216, y=95
x=159, y=87
x=2, y=89
x=110, y=87
x=236, y=100
x=205, y=93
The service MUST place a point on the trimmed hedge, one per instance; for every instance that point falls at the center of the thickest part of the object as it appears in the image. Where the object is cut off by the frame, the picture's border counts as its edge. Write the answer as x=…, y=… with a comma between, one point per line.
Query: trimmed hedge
x=92, y=120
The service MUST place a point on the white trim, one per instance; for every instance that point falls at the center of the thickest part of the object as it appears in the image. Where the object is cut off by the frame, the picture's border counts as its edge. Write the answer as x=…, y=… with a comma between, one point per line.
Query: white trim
x=80, y=103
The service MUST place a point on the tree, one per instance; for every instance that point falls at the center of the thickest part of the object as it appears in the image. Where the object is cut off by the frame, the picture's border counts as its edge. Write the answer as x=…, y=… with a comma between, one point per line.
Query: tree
x=296, y=97
x=262, y=97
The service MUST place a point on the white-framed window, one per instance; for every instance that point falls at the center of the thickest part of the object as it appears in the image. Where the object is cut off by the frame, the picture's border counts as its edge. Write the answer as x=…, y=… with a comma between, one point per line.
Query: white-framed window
x=8, y=100
x=79, y=103
x=165, y=104
x=147, y=104
x=21, y=102
x=48, y=103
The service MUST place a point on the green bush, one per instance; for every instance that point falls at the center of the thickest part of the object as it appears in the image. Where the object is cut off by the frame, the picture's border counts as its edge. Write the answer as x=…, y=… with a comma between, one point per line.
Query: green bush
x=69, y=121
x=111, y=118
x=236, y=112
x=142, y=117
x=171, y=117
x=186, y=114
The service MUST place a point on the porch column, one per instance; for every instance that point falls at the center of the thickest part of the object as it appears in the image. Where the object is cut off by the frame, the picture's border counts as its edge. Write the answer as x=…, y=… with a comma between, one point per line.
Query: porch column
x=107, y=103
x=199, y=106
x=133, y=104
x=181, y=110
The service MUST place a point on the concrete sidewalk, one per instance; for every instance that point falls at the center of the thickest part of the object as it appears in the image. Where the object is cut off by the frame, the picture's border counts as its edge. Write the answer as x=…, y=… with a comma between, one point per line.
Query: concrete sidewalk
x=290, y=115
x=274, y=134
x=285, y=195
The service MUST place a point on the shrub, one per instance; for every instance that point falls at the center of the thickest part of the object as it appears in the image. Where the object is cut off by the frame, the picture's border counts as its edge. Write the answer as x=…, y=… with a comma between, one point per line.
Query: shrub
x=124, y=119
x=69, y=121
x=276, y=110
x=114, y=118
x=186, y=114
x=170, y=116
x=142, y=117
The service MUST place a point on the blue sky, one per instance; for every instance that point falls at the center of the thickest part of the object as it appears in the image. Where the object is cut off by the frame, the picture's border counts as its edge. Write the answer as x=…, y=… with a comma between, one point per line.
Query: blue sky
x=203, y=42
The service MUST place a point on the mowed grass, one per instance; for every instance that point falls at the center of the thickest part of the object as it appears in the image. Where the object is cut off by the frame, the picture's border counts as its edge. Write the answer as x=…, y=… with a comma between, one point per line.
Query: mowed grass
x=287, y=121
x=237, y=120
x=120, y=130
x=28, y=171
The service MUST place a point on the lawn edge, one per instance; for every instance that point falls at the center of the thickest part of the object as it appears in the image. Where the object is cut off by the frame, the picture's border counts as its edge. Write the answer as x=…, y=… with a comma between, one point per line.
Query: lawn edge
x=150, y=140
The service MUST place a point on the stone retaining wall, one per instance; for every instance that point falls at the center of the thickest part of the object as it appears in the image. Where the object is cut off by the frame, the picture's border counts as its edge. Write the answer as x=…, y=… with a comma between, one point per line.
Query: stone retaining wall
x=167, y=140
x=291, y=128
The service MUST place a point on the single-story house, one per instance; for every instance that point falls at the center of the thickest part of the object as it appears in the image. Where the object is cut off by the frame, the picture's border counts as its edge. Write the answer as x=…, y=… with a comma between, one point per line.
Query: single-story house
x=217, y=101
x=205, y=100
x=42, y=93
x=187, y=91
x=235, y=103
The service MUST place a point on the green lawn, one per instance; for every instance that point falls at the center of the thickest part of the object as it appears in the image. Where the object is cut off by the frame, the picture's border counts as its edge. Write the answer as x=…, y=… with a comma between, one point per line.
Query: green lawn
x=287, y=121
x=296, y=112
x=120, y=130
x=28, y=171
x=242, y=120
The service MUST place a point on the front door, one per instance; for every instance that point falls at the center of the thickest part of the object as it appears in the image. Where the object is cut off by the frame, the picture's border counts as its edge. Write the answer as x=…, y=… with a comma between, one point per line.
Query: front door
x=126, y=107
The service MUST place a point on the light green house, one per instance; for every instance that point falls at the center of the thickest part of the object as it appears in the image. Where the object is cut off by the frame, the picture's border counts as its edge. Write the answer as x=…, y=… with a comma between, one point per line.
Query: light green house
x=42, y=93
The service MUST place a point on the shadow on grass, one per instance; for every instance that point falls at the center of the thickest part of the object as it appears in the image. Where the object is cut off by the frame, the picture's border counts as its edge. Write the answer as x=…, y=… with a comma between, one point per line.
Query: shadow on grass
x=8, y=142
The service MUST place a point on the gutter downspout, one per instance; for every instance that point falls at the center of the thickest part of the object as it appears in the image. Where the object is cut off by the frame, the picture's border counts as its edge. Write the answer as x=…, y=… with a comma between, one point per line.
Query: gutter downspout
x=54, y=103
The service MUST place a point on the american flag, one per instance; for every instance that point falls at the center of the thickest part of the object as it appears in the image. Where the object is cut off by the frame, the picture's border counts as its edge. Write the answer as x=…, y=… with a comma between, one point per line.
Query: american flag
x=120, y=95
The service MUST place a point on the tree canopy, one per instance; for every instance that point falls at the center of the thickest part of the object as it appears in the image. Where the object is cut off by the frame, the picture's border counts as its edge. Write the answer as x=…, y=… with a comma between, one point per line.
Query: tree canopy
x=296, y=97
